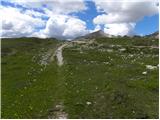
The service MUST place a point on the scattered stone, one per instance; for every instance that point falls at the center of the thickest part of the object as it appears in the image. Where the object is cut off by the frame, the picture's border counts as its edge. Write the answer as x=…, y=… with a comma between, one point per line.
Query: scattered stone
x=150, y=67
x=130, y=55
x=133, y=111
x=141, y=52
x=144, y=73
x=81, y=52
x=88, y=103
x=122, y=49
x=109, y=50
x=106, y=63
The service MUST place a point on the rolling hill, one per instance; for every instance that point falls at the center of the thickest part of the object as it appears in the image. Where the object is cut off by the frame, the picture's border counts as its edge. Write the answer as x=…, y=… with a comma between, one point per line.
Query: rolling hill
x=100, y=77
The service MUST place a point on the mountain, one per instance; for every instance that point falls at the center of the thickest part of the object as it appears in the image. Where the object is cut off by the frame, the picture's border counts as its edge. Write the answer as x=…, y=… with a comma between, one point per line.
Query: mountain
x=96, y=34
x=154, y=35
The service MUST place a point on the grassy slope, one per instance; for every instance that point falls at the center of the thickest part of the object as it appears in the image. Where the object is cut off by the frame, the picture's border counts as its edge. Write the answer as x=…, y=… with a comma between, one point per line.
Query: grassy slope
x=117, y=89
x=27, y=92
x=93, y=82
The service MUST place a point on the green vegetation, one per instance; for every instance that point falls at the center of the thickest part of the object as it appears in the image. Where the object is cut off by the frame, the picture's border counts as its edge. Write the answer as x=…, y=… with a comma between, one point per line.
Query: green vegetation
x=107, y=78
x=28, y=89
x=141, y=41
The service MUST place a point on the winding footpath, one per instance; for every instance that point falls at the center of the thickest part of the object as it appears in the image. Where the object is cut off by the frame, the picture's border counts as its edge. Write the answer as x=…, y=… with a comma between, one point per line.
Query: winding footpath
x=59, y=51
x=59, y=54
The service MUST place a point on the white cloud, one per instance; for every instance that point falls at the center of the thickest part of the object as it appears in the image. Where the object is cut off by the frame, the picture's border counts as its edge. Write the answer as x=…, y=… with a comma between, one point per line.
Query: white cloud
x=67, y=6
x=33, y=13
x=123, y=13
x=119, y=28
x=56, y=6
x=118, y=18
x=17, y=24
x=64, y=27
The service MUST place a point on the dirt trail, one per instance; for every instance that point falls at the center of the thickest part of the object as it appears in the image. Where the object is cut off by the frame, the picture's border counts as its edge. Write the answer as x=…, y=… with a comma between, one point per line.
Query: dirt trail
x=59, y=54
x=59, y=51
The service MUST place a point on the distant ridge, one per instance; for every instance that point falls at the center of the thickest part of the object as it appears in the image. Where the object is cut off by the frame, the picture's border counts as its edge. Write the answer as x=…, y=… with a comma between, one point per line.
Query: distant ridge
x=92, y=35
x=154, y=35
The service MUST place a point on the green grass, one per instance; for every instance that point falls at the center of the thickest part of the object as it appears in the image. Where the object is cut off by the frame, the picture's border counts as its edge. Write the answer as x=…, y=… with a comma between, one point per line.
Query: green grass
x=117, y=89
x=27, y=92
x=129, y=41
x=96, y=80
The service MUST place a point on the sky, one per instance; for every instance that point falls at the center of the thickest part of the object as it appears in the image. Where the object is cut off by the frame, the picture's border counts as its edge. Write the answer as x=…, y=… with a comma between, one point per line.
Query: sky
x=68, y=19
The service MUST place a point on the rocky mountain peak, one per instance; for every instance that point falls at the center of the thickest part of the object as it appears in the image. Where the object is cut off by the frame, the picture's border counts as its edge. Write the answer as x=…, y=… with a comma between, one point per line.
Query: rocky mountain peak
x=95, y=34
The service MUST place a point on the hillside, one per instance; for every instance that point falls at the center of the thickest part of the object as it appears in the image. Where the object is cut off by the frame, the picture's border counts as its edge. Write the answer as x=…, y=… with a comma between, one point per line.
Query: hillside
x=96, y=34
x=99, y=78
x=154, y=35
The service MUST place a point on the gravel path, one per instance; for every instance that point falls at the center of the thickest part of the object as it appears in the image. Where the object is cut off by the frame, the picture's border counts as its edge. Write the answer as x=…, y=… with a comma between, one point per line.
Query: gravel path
x=59, y=54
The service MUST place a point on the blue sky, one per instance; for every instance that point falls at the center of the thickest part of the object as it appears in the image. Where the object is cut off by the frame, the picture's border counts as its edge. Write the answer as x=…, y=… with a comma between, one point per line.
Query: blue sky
x=87, y=16
x=147, y=25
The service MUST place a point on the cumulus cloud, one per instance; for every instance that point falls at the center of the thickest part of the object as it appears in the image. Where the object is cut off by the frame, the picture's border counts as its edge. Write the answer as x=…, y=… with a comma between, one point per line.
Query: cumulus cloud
x=119, y=28
x=59, y=23
x=54, y=18
x=17, y=24
x=123, y=14
x=65, y=27
x=56, y=6
x=36, y=14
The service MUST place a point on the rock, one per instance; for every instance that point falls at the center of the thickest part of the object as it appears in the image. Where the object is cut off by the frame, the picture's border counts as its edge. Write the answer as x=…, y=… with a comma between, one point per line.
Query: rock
x=88, y=103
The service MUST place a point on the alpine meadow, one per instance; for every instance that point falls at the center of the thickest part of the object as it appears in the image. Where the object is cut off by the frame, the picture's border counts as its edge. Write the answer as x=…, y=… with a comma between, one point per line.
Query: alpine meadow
x=79, y=59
